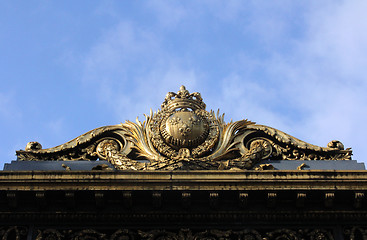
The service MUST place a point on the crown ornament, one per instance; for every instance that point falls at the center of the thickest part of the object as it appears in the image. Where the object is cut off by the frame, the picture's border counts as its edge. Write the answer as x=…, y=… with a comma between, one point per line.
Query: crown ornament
x=183, y=99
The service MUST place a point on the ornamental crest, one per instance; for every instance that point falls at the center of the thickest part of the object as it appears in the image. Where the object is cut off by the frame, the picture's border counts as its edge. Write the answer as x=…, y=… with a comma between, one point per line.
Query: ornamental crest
x=183, y=135
x=183, y=129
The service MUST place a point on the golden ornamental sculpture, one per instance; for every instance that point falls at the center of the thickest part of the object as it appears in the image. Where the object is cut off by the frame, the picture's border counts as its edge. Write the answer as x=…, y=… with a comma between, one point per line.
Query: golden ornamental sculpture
x=184, y=136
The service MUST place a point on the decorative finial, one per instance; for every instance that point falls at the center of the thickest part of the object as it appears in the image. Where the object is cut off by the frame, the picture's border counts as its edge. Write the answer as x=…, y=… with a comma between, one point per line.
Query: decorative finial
x=183, y=93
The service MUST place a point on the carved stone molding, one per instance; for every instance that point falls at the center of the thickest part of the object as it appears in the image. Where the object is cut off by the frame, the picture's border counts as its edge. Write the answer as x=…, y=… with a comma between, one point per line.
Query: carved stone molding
x=358, y=199
x=301, y=198
x=70, y=199
x=329, y=199
x=313, y=233
x=12, y=199
x=13, y=233
x=186, y=199
x=243, y=199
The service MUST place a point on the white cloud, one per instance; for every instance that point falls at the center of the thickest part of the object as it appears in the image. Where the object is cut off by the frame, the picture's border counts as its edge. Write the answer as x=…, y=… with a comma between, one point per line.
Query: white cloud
x=329, y=75
x=338, y=36
x=229, y=10
x=309, y=83
x=169, y=13
x=118, y=50
x=56, y=126
x=149, y=90
x=130, y=71
x=8, y=107
x=325, y=75
x=315, y=88
x=249, y=100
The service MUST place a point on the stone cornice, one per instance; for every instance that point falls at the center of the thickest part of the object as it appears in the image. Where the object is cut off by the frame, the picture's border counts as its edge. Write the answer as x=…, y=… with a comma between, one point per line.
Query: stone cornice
x=184, y=180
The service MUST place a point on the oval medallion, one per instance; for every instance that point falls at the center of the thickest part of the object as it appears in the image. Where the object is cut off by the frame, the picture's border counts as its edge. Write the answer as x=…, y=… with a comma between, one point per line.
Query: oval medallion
x=184, y=129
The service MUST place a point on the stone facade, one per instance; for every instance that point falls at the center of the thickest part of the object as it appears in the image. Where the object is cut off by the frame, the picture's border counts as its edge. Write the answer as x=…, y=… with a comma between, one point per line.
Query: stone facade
x=181, y=174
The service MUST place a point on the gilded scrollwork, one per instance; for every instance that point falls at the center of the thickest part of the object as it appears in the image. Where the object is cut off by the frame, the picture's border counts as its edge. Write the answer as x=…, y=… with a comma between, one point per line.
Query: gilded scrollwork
x=13, y=233
x=110, y=149
x=290, y=148
x=320, y=234
x=19, y=233
x=182, y=135
x=283, y=234
x=80, y=148
x=49, y=234
x=249, y=234
x=124, y=234
x=89, y=234
x=356, y=232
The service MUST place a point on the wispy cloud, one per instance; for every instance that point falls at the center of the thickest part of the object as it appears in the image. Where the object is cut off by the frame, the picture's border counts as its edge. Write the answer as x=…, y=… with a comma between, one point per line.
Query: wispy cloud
x=323, y=78
x=130, y=71
x=117, y=51
x=9, y=111
x=56, y=127
x=169, y=14
x=306, y=75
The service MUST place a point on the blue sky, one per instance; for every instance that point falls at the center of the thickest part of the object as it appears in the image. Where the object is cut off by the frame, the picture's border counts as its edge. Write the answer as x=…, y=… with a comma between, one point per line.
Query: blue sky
x=67, y=67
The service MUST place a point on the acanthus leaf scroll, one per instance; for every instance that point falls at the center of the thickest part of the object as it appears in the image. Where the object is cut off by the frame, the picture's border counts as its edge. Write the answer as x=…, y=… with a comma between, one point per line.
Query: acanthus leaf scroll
x=182, y=135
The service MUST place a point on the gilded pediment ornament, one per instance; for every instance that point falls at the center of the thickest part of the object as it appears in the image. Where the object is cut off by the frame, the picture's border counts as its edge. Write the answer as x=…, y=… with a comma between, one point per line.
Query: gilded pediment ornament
x=183, y=135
